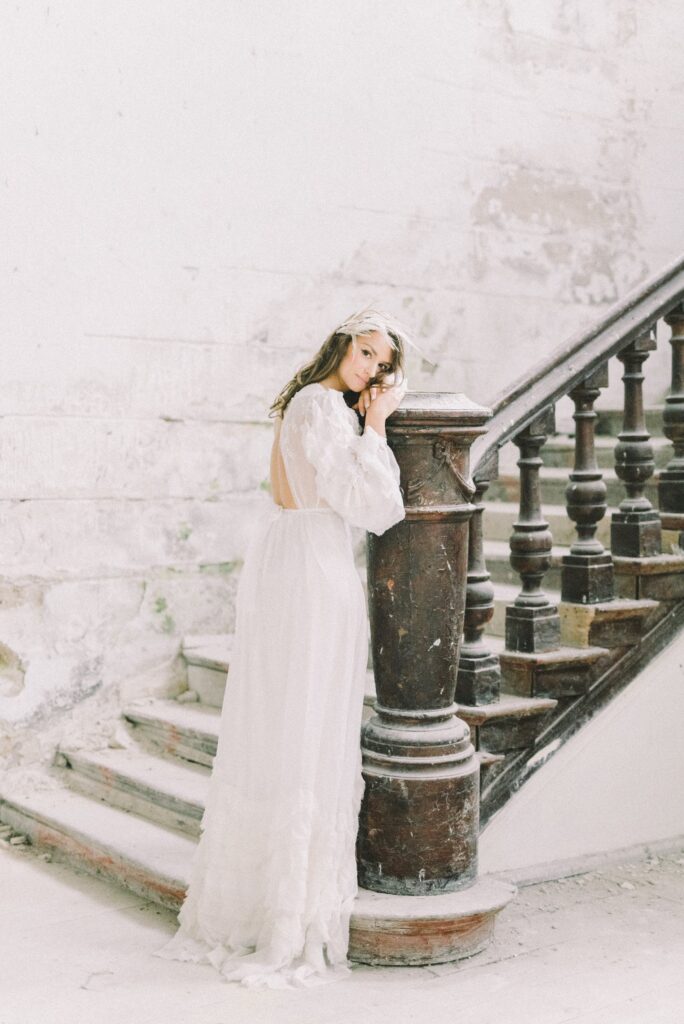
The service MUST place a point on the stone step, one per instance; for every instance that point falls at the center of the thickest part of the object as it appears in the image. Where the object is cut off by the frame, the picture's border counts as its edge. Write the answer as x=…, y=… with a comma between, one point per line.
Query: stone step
x=559, y=451
x=208, y=661
x=660, y=577
x=499, y=517
x=553, y=484
x=520, y=671
x=189, y=731
x=673, y=521
x=141, y=855
x=618, y=610
x=567, y=672
x=512, y=723
x=617, y=623
x=154, y=862
x=169, y=791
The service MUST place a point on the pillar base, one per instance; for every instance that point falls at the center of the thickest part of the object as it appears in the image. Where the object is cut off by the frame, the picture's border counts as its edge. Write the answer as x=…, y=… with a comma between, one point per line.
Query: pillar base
x=671, y=490
x=414, y=931
x=419, y=817
x=532, y=629
x=479, y=679
x=587, y=579
x=635, y=534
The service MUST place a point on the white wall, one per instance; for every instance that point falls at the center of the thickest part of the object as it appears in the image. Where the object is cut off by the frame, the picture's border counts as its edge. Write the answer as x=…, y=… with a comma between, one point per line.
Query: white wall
x=194, y=193
x=618, y=782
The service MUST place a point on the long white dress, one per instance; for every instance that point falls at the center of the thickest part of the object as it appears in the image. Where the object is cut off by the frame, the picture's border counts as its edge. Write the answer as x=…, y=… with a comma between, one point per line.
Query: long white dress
x=273, y=879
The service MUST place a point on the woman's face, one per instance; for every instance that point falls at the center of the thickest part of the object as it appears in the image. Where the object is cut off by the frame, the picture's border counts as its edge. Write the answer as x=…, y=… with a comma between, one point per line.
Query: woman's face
x=365, y=358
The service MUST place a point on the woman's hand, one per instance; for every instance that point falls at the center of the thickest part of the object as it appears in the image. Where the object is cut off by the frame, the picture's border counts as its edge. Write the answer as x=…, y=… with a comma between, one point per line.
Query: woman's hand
x=379, y=401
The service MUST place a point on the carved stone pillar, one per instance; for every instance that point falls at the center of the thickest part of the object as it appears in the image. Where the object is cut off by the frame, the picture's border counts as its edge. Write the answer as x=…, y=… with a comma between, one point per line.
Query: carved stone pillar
x=532, y=621
x=587, y=573
x=418, y=826
x=671, y=481
x=635, y=528
x=479, y=672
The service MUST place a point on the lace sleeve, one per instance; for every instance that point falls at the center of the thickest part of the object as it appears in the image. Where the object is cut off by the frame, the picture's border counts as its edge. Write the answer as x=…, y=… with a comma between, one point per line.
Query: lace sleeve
x=356, y=474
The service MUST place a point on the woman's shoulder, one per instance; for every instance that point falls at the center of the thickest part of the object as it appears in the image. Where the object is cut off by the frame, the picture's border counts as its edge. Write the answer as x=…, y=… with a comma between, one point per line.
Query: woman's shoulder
x=318, y=394
x=308, y=391
x=328, y=401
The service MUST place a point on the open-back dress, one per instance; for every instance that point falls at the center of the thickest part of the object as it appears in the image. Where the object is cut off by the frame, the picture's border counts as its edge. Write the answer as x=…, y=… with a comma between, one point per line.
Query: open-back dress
x=273, y=879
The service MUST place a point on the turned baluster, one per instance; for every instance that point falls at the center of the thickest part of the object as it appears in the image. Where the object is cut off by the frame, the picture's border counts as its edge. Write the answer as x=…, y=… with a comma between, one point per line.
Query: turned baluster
x=671, y=482
x=587, y=572
x=635, y=528
x=532, y=622
x=479, y=673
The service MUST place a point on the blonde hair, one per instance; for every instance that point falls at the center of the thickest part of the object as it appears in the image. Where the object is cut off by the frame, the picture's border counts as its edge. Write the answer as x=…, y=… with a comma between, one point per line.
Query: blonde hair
x=332, y=352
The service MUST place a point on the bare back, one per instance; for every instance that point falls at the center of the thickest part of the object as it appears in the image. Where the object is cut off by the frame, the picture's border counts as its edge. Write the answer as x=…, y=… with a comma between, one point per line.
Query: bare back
x=280, y=488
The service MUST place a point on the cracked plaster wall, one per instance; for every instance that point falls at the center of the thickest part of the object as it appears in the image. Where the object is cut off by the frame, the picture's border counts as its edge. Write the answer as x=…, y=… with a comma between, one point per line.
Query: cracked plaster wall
x=193, y=193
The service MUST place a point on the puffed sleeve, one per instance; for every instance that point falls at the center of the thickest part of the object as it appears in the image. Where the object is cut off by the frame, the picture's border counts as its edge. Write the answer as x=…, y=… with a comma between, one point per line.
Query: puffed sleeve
x=356, y=474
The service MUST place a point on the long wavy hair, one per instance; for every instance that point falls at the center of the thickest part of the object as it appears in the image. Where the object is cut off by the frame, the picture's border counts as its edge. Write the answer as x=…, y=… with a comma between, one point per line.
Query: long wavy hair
x=332, y=352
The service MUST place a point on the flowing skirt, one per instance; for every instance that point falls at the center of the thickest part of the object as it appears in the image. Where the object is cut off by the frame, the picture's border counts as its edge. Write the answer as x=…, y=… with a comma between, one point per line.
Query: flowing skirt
x=273, y=879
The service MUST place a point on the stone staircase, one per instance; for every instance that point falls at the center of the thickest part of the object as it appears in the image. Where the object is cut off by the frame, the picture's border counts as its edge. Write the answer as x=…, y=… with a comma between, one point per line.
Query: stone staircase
x=534, y=667
x=133, y=812
x=571, y=588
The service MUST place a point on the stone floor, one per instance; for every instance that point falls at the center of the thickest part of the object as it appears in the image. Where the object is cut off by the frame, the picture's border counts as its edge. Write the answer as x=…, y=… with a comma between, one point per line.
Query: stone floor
x=605, y=947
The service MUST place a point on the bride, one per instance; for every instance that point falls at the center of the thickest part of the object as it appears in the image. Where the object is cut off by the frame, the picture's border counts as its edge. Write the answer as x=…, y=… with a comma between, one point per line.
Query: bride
x=273, y=879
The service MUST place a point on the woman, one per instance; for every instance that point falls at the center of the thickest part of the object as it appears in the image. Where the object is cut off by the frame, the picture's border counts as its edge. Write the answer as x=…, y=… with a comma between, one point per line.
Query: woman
x=273, y=881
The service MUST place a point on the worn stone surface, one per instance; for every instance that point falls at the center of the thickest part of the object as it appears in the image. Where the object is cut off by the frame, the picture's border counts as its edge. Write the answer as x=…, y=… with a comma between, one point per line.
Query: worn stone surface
x=566, y=672
x=510, y=724
x=660, y=577
x=618, y=623
x=425, y=930
x=602, y=947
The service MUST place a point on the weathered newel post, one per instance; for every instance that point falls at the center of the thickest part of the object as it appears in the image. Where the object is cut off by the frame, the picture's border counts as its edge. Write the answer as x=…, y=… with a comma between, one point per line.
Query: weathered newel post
x=419, y=822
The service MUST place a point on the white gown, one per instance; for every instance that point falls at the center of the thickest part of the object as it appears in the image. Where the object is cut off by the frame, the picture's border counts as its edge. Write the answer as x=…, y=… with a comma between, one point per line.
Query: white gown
x=273, y=879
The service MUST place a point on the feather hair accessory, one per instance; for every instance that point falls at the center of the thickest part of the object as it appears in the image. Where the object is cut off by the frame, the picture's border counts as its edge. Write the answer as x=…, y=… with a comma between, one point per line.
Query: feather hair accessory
x=369, y=319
